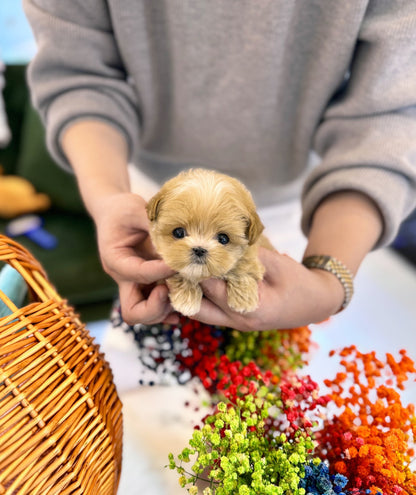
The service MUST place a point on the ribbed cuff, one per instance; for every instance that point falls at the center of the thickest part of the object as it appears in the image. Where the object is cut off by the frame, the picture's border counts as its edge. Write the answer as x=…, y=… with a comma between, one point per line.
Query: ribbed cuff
x=88, y=104
x=385, y=188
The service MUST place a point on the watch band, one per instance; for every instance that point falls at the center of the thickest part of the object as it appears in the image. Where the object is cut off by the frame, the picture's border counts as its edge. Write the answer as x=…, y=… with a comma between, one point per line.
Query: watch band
x=332, y=265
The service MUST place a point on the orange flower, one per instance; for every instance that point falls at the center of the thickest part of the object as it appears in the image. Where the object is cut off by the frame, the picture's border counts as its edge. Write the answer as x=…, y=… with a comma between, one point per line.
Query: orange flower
x=340, y=467
x=370, y=440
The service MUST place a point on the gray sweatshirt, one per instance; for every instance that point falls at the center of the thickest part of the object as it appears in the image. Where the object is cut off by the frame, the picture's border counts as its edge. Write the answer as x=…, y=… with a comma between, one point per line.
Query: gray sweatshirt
x=249, y=87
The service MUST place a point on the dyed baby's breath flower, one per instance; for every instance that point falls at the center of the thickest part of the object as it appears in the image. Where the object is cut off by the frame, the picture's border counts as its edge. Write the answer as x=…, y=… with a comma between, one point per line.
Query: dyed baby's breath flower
x=370, y=438
x=265, y=433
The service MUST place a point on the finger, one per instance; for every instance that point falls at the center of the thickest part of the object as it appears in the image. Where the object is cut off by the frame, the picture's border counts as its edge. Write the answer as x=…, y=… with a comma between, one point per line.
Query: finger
x=138, y=270
x=215, y=290
x=172, y=319
x=135, y=308
x=153, y=271
x=215, y=310
x=149, y=249
x=214, y=307
x=212, y=314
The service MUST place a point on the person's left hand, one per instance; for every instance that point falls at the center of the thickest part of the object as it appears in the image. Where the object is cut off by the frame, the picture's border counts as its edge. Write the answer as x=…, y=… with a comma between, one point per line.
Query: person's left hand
x=290, y=296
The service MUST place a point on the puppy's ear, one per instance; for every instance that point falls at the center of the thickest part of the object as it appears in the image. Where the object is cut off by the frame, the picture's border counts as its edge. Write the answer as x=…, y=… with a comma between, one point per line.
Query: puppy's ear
x=153, y=206
x=254, y=228
x=254, y=225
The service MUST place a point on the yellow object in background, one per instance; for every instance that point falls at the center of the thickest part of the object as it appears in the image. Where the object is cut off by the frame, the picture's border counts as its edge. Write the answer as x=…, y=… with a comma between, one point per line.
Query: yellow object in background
x=18, y=196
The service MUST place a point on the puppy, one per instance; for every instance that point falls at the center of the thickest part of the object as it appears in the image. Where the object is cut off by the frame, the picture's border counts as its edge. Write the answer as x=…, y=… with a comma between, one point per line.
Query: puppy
x=204, y=224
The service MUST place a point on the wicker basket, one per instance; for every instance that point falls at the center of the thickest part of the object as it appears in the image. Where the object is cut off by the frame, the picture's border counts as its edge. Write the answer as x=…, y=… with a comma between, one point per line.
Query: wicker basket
x=60, y=416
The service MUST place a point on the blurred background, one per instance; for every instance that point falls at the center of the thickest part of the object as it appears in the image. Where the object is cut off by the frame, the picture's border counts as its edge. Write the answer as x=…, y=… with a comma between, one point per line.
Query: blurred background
x=57, y=229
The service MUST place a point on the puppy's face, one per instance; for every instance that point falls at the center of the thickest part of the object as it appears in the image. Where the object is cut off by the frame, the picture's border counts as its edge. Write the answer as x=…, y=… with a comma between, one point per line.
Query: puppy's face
x=202, y=222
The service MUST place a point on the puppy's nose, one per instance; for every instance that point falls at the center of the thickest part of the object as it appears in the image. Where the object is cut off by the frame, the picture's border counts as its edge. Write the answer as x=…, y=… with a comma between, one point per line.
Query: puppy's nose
x=199, y=251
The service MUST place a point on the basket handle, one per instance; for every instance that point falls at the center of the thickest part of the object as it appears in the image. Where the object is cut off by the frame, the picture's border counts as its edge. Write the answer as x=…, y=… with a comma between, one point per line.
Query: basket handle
x=31, y=271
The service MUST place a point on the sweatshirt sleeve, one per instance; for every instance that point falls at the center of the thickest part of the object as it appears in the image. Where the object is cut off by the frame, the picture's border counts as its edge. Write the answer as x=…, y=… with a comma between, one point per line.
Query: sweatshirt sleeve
x=77, y=72
x=367, y=137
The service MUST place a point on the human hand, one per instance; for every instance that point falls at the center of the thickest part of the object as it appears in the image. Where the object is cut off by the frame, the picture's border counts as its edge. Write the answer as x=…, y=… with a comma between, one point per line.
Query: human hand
x=128, y=256
x=290, y=296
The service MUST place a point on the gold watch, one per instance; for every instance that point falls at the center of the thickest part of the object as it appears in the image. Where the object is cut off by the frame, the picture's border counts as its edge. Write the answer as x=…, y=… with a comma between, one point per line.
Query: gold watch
x=332, y=265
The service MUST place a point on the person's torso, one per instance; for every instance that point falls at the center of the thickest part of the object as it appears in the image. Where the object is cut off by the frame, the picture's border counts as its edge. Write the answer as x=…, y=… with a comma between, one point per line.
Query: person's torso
x=235, y=85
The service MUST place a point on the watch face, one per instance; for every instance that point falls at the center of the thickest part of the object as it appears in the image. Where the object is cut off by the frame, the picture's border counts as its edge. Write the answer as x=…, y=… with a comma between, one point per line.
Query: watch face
x=325, y=260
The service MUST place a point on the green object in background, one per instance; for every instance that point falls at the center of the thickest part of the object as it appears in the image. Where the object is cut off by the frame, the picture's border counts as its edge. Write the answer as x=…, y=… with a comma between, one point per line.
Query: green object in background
x=13, y=286
x=36, y=165
x=73, y=266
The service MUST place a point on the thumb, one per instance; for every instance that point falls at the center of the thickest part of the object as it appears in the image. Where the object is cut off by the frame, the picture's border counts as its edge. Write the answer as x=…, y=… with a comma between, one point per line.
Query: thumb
x=141, y=271
x=215, y=290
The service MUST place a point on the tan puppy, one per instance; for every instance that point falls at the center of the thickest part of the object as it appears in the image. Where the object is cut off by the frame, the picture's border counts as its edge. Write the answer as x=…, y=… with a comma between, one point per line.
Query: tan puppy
x=204, y=224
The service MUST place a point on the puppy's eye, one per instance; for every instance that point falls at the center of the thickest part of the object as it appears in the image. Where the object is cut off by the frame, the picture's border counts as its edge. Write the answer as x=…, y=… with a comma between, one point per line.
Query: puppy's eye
x=179, y=233
x=223, y=239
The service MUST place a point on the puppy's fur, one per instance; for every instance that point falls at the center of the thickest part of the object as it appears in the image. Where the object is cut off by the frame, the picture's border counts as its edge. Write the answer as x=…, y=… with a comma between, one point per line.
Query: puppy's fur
x=204, y=224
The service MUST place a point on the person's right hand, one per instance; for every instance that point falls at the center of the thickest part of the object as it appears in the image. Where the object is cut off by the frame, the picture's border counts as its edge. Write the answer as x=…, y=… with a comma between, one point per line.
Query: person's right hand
x=128, y=256
x=98, y=153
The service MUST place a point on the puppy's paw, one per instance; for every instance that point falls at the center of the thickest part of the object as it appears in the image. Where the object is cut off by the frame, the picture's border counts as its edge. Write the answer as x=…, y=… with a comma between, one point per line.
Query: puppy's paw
x=185, y=303
x=184, y=296
x=243, y=294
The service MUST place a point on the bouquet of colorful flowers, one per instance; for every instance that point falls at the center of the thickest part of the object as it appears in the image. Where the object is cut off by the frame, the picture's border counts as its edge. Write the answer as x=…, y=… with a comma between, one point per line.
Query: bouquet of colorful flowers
x=269, y=429
x=271, y=432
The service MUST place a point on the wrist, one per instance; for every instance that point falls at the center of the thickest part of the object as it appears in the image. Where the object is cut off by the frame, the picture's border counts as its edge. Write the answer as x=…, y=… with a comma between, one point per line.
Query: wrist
x=340, y=277
x=97, y=153
x=103, y=198
x=345, y=225
x=124, y=205
x=331, y=292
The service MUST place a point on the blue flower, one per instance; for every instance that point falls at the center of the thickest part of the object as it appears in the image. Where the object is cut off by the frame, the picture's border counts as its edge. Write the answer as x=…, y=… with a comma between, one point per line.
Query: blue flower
x=340, y=482
x=318, y=481
x=324, y=485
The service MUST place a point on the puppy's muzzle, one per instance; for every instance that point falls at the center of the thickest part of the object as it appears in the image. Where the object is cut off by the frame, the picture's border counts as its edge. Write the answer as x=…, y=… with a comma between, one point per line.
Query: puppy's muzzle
x=199, y=255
